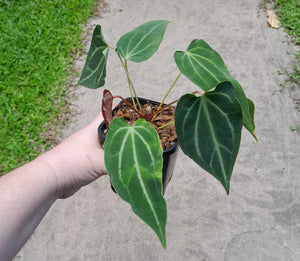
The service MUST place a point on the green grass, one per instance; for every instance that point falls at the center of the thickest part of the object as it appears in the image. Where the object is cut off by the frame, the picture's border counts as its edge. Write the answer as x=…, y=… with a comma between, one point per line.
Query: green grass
x=289, y=15
x=38, y=40
x=288, y=12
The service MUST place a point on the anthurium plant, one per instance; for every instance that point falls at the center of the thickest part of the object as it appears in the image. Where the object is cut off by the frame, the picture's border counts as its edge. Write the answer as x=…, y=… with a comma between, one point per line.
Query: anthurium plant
x=208, y=122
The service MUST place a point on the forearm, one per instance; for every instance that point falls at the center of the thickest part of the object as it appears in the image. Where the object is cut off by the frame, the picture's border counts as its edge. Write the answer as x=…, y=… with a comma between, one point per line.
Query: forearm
x=27, y=193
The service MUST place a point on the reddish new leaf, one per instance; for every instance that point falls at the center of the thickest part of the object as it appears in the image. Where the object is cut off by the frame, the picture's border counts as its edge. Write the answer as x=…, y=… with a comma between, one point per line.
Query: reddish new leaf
x=107, y=107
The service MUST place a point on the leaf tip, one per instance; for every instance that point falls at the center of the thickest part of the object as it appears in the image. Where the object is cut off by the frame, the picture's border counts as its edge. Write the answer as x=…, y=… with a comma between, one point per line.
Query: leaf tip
x=164, y=243
x=226, y=186
x=253, y=134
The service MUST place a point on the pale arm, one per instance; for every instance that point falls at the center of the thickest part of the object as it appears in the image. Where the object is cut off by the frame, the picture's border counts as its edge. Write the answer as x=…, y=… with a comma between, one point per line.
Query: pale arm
x=28, y=192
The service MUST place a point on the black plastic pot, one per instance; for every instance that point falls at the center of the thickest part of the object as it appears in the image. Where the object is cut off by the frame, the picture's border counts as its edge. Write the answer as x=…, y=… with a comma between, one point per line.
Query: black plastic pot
x=169, y=155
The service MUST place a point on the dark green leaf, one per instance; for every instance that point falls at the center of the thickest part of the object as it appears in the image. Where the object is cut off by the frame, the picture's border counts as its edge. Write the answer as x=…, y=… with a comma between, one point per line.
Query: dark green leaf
x=142, y=42
x=205, y=67
x=94, y=71
x=202, y=65
x=133, y=159
x=248, y=116
x=209, y=130
x=251, y=110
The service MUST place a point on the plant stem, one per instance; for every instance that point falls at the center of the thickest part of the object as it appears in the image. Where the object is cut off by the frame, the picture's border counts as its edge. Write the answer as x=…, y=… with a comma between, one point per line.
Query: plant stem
x=159, y=110
x=130, y=85
x=165, y=97
x=131, y=88
x=129, y=105
x=168, y=105
x=167, y=124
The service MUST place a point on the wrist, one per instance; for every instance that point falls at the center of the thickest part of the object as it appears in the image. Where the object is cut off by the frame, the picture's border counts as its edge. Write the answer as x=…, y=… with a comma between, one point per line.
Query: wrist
x=76, y=162
x=63, y=167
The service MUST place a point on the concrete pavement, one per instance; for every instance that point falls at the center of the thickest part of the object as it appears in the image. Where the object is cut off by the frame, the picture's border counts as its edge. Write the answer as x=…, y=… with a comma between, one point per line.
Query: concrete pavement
x=260, y=219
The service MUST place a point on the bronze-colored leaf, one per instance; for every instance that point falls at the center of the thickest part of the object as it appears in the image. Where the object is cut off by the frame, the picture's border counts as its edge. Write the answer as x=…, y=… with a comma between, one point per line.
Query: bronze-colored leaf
x=107, y=107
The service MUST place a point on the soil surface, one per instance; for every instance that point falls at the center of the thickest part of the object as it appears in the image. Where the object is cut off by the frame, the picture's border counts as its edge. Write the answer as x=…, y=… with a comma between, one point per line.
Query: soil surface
x=162, y=120
x=259, y=220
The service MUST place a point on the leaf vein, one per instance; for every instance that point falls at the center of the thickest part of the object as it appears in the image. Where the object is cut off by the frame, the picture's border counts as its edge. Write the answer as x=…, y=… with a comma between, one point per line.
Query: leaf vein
x=139, y=43
x=143, y=187
x=215, y=140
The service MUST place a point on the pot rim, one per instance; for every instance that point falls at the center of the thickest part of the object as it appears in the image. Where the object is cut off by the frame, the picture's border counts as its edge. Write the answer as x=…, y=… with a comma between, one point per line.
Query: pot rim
x=102, y=126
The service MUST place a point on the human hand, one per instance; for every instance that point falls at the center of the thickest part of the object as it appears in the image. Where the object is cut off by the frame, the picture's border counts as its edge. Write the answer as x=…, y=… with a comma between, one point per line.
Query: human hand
x=77, y=161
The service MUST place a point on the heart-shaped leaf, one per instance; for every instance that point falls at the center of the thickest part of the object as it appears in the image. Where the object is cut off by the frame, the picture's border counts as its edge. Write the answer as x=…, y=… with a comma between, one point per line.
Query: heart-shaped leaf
x=94, y=71
x=205, y=67
x=209, y=130
x=142, y=42
x=133, y=159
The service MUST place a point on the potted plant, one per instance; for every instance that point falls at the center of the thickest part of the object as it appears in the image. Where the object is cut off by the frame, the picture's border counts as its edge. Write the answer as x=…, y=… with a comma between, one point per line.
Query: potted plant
x=208, y=122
